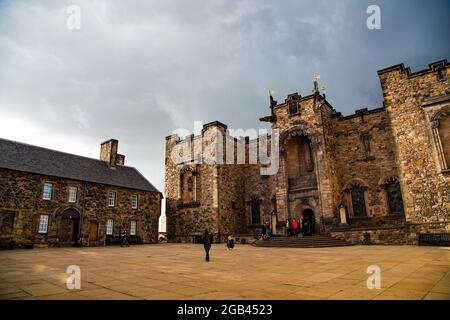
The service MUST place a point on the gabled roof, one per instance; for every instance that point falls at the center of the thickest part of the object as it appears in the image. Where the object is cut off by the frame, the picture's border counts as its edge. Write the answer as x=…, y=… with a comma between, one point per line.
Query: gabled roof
x=27, y=158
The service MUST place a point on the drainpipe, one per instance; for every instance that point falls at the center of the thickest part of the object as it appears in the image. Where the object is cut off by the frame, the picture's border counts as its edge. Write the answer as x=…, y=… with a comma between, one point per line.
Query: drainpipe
x=80, y=232
x=218, y=203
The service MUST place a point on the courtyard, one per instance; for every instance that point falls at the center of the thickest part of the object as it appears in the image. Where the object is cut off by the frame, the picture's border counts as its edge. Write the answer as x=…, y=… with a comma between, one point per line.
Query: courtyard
x=178, y=271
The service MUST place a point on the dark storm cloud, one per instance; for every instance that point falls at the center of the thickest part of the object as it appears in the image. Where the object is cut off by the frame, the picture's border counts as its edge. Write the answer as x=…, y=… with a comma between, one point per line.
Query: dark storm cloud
x=137, y=70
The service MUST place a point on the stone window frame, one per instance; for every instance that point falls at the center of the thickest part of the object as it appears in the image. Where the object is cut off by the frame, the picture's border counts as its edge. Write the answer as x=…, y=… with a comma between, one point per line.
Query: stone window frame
x=109, y=227
x=112, y=204
x=70, y=198
x=348, y=202
x=134, y=201
x=382, y=184
x=3, y=215
x=133, y=227
x=188, y=168
x=296, y=105
x=438, y=147
x=42, y=223
x=250, y=208
x=47, y=195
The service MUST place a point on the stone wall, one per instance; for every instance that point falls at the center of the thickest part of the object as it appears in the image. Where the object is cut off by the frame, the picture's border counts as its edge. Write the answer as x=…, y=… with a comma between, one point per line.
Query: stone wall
x=412, y=100
x=364, y=154
x=21, y=195
x=401, y=141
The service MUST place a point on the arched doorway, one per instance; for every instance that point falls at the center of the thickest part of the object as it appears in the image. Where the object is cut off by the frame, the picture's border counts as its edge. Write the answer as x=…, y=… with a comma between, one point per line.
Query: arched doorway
x=69, y=226
x=308, y=222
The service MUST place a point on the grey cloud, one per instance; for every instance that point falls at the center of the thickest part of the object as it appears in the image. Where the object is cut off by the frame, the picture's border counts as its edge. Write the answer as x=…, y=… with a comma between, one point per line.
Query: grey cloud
x=137, y=70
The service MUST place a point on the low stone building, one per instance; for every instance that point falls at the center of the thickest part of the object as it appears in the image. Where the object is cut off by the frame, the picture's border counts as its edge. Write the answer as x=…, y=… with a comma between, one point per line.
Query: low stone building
x=380, y=174
x=53, y=198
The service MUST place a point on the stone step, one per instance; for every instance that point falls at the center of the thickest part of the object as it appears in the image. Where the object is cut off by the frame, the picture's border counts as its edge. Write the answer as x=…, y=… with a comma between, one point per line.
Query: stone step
x=314, y=241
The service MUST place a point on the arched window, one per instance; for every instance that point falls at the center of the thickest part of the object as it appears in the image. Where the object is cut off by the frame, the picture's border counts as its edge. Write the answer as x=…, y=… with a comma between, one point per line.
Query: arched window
x=444, y=134
x=440, y=124
x=394, y=197
x=256, y=211
x=187, y=186
x=358, y=201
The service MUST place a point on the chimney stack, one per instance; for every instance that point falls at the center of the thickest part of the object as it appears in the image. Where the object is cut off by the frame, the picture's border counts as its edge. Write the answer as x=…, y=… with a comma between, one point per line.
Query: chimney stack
x=108, y=153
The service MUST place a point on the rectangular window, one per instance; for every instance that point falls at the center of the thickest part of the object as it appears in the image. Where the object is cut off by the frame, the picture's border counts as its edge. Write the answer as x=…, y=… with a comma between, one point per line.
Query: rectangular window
x=293, y=107
x=43, y=223
x=112, y=199
x=47, y=192
x=133, y=228
x=134, y=202
x=73, y=194
x=109, y=227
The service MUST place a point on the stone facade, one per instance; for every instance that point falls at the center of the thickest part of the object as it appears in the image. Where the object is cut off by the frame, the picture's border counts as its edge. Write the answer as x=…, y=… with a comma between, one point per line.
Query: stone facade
x=81, y=219
x=382, y=172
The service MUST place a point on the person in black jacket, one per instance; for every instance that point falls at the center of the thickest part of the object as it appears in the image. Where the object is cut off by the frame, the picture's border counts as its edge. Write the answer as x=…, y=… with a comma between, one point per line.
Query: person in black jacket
x=207, y=241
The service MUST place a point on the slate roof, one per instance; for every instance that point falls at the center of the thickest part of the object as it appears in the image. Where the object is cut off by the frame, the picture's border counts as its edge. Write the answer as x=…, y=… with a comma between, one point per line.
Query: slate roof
x=27, y=158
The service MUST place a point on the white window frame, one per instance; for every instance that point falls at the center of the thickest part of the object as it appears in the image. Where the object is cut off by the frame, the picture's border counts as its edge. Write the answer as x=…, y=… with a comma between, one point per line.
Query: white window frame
x=43, y=223
x=47, y=191
x=133, y=227
x=134, y=201
x=109, y=227
x=73, y=193
x=112, y=195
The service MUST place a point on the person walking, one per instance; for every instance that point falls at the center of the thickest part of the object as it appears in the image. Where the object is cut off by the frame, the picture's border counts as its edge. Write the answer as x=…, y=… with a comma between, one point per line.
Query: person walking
x=288, y=228
x=230, y=242
x=124, y=238
x=207, y=241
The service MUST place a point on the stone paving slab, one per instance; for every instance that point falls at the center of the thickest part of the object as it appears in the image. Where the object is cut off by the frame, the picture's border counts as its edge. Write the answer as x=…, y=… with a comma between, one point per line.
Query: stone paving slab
x=178, y=271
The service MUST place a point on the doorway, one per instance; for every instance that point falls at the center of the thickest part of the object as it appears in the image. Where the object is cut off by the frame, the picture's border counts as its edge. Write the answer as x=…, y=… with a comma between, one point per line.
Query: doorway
x=308, y=222
x=93, y=231
x=69, y=226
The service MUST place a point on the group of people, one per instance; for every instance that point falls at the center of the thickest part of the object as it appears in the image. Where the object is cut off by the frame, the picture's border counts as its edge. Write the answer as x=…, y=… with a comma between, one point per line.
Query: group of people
x=124, y=238
x=298, y=227
x=266, y=231
x=208, y=239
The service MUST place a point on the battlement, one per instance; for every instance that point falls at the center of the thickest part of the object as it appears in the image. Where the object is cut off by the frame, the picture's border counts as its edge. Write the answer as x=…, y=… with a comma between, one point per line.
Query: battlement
x=214, y=125
x=432, y=67
x=358, y=113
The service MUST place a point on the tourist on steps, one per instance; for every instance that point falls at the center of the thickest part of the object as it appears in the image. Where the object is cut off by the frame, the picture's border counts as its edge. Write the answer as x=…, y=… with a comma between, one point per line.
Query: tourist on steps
x=288, y=228
x=263, y=232
x=295, y=226
x=267, y=231
x=207, y=241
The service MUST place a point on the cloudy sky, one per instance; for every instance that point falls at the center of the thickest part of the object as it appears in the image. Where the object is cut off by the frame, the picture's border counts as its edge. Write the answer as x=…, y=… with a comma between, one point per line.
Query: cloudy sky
x=137, y=70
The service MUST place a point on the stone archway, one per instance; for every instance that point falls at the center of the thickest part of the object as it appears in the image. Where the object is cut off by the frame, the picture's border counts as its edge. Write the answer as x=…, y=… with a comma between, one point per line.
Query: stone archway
x=308, y=222
x=69, y=226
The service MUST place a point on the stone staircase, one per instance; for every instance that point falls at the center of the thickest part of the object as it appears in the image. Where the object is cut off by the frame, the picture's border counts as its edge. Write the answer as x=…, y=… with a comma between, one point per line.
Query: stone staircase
x=313, y=241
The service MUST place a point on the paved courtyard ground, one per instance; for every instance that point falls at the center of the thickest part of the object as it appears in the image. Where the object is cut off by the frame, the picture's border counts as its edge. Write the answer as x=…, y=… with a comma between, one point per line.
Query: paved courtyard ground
x=178, y=271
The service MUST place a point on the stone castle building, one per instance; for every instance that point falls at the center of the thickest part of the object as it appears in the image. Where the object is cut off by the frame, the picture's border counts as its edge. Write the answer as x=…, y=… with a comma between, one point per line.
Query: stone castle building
x=51, y=198
x=381, y=173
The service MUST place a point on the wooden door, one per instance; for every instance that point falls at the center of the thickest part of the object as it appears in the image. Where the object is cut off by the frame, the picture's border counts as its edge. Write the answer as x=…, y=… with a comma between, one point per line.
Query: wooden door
x=70, y=227
x=93, y=231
